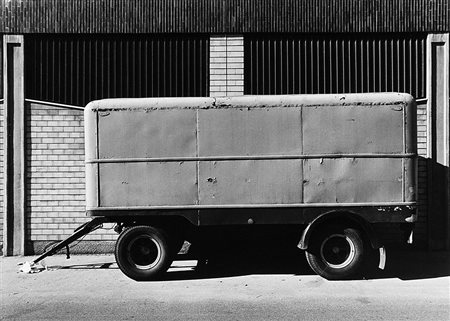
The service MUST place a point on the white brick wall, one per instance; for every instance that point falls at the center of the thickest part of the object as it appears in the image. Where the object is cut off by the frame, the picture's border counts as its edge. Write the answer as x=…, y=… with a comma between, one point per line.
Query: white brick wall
x=226, y=66
x=55, y=174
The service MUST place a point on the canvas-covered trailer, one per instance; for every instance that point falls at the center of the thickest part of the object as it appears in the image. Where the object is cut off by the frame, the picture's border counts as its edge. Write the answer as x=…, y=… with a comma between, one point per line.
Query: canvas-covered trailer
x=334, y=164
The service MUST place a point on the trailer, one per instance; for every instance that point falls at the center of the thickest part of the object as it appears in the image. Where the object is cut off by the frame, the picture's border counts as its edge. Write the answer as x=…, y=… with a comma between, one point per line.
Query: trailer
x=167, y=170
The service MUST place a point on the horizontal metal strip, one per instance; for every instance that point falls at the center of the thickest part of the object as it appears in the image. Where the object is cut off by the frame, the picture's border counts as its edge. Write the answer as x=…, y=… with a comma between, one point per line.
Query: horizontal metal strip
x=230, y=158
x=238, y=206
x=1, y=101
x=33, y=101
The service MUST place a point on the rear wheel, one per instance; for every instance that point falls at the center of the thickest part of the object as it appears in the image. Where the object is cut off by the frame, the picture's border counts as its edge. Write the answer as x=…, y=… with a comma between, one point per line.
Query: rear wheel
x=143, y=252
x=336, y=253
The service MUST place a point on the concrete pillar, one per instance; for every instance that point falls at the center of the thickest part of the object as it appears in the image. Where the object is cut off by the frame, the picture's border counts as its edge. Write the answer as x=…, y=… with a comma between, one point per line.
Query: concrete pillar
x=439, y=144
x=226, y=66
x=14, y=144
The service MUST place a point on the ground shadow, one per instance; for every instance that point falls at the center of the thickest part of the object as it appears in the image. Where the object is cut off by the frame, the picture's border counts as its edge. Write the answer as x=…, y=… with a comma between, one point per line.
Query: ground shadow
x=104, y=265
x=403, y=263
x=408, y=263
x=242, y=262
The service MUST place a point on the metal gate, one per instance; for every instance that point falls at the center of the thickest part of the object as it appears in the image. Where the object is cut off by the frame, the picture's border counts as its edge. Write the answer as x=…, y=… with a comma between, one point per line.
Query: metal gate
x=75, y=69
x=335, y=63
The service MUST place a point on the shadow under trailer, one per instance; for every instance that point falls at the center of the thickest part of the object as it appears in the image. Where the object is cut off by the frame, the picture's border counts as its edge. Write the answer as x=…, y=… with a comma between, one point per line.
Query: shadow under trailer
x=166, y=170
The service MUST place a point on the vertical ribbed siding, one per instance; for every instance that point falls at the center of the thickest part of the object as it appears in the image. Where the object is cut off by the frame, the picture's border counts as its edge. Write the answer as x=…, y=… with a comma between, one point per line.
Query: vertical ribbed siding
x=77, y=69
x=334, y=64
x=223, y=16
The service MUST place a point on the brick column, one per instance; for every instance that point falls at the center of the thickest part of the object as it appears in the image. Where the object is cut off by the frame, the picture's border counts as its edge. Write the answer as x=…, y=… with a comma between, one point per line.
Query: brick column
x=226, y=66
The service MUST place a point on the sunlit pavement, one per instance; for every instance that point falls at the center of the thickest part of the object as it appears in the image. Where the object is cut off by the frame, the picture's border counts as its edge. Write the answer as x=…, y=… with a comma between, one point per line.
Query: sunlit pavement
x=414, y=286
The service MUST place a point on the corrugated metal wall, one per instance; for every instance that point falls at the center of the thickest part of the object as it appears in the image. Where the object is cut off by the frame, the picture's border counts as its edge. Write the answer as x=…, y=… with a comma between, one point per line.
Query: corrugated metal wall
x=76, y=69
x=223, y=16
x=311, y=64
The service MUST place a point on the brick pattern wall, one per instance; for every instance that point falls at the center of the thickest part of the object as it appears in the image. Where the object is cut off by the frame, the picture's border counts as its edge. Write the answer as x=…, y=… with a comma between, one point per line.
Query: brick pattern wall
x=420, y=231
x=226, y=66
x=2, y=153
x=55, y=176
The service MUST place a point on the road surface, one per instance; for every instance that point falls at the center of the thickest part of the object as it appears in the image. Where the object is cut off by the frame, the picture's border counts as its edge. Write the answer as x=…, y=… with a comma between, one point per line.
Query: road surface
x=415, y=286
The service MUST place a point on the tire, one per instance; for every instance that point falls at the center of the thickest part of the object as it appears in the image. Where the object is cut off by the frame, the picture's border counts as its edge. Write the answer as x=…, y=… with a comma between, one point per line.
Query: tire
x=336, y=254
x=143, y=253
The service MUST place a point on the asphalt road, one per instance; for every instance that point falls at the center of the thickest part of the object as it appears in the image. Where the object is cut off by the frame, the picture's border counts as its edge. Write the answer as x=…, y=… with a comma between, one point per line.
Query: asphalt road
x=415, y=286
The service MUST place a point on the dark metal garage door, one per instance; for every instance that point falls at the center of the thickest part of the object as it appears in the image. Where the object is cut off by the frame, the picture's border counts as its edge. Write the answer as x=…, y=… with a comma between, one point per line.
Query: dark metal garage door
x=335, y=63
x=75, y=69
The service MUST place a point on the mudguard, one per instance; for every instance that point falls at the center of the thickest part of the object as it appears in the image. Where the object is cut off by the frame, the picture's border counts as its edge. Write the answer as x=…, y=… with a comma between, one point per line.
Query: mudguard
x=353, y=218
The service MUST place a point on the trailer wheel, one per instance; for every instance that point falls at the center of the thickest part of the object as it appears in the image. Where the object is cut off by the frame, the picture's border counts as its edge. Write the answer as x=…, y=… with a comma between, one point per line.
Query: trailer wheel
x=143, y=253
x=337, y=253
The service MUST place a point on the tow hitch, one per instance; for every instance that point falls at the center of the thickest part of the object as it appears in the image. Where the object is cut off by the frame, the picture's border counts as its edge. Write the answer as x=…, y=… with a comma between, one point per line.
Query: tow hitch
x=82, y=230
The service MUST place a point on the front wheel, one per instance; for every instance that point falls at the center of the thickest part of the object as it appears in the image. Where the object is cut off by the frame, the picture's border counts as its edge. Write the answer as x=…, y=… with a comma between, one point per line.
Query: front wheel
x=143, y=253
x=336, y=253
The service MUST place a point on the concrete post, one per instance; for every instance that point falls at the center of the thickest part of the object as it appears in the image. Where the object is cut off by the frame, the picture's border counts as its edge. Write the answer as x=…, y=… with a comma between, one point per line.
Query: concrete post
x=226, y=66
x=439, y=144
x=14, y=144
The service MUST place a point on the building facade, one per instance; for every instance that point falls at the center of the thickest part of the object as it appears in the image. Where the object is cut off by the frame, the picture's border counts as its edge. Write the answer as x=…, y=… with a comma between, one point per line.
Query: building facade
x=57, y=55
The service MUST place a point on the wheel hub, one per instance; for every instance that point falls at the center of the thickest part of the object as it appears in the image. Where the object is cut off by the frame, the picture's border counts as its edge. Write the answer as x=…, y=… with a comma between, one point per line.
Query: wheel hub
x=337, y=251
x=143, y=252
